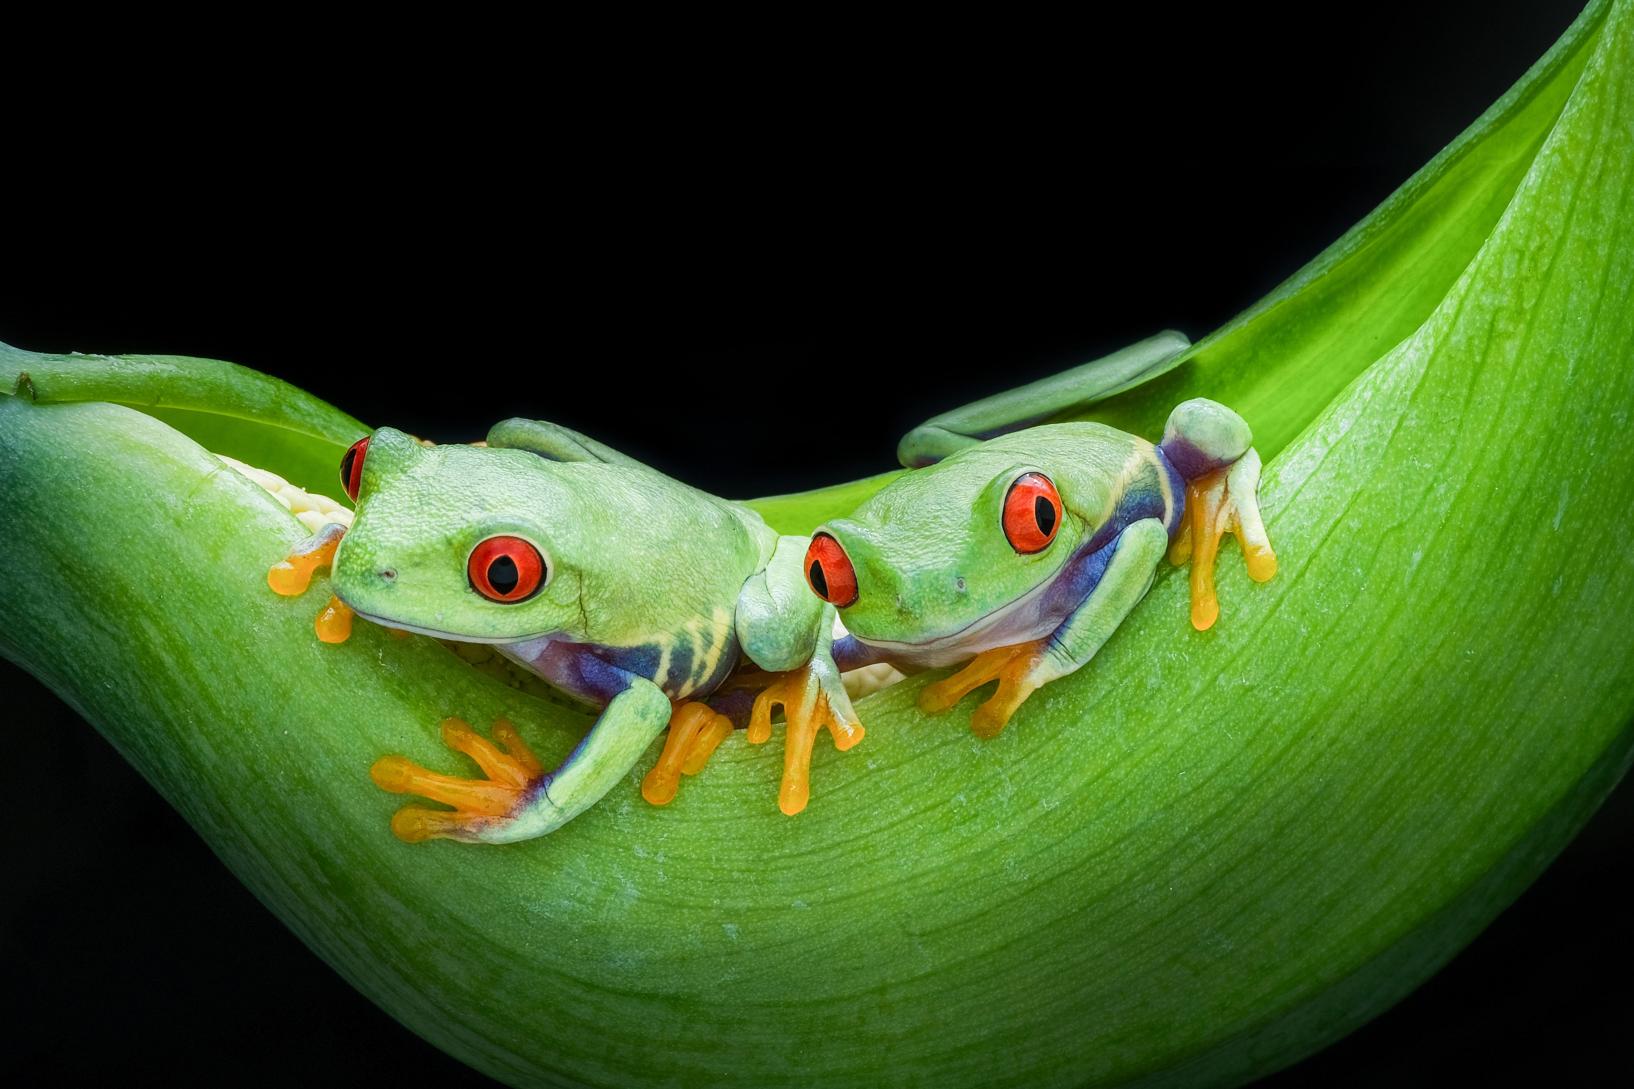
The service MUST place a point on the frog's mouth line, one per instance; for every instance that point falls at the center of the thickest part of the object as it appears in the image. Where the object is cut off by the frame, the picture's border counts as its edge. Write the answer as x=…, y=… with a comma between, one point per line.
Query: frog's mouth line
x=955, y=640
x=418, y=629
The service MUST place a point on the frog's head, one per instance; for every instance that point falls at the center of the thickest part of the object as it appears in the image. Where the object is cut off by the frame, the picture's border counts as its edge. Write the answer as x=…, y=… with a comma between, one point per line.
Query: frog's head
x=459, y=542
x=943, y=550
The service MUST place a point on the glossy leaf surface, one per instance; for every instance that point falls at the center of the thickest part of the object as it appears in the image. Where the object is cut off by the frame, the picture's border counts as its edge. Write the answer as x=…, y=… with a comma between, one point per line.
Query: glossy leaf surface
x=1195, y=860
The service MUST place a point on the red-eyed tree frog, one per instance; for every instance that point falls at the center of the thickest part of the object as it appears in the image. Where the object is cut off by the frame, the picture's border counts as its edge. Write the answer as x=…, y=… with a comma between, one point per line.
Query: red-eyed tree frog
x=622, y=587
x=1020, y=553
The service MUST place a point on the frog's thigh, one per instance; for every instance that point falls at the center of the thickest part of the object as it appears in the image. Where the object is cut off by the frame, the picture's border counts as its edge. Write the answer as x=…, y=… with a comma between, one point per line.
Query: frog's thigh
x=1075, y=389
x=554, y=442
x=1126, y=579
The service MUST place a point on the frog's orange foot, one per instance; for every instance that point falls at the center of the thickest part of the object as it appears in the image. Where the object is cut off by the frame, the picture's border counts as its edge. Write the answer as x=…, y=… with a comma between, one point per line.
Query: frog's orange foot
x=510, y=774
x=1014, y=667
x=293, y=574
x=809, y=704
x=695, y=731
x=1226, y=500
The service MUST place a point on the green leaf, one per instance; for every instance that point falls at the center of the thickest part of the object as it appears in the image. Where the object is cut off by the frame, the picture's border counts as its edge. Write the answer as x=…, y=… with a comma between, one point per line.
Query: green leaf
x=1284, y=359
x=1193, y=861
x=232, y=410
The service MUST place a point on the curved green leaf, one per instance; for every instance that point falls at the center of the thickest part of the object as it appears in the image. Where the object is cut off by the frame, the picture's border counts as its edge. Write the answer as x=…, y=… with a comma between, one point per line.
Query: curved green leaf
x=232, y=410
x=1283, y=360
x=1193, y=861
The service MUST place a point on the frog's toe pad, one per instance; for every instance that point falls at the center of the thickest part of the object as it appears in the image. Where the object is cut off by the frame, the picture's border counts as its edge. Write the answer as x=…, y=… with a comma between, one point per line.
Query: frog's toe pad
x=334, y=622
x=509, y=776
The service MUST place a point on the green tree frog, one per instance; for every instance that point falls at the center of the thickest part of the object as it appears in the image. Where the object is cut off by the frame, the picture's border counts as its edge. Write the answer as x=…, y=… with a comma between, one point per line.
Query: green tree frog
x=622, y=587
x=1021, y=553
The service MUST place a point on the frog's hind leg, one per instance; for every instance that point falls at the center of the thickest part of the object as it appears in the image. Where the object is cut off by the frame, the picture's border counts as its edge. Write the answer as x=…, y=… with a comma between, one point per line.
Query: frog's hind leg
x=1209, y=446
x=1073, y=390
x=732, y=704
x=695, y=731
x=704, y=745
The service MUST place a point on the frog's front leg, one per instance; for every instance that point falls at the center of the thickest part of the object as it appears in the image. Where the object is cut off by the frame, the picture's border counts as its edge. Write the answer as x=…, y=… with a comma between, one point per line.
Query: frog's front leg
x=517, y=799
x=813, y=697
x=786, y=629
x=1024, y=668
x=291, y=576
x=1208, y=444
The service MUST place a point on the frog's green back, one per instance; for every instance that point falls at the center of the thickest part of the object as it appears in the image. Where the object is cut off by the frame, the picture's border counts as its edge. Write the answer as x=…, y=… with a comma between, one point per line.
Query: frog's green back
x=629, y=551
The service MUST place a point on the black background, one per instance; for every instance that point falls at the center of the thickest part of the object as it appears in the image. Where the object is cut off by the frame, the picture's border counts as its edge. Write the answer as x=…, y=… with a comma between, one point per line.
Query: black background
x=755, y=274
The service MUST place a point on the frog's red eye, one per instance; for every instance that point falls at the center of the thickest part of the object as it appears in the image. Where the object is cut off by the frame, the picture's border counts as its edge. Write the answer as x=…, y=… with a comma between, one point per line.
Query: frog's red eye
x=1032, y=513
x=351, y=467
x=506, y=569
x=830, y=572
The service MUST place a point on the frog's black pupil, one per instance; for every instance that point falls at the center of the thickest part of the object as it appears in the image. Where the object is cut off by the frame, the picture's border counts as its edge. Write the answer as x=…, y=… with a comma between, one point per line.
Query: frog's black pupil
x=346, y=468
x=502, y=575
x=1044, y=512
x=818, y=581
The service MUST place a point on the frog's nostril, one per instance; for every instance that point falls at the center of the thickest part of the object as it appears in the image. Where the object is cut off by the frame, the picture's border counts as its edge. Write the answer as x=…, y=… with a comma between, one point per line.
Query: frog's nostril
x=389, y=574
x=959, y=584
